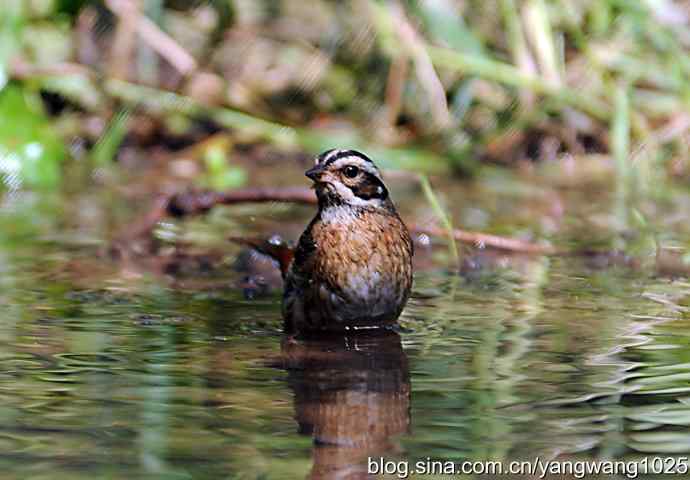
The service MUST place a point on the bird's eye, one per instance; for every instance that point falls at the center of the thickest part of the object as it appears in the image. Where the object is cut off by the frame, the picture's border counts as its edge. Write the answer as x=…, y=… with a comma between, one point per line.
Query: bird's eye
x=351, y=171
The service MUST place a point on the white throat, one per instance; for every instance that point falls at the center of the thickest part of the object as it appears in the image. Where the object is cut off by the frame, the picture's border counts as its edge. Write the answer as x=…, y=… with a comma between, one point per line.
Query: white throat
x=338, y=214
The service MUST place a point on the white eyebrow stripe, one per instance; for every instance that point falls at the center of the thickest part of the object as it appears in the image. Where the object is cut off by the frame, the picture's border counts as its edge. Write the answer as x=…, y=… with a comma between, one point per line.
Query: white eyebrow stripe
x=359, y=162
x=330, y=154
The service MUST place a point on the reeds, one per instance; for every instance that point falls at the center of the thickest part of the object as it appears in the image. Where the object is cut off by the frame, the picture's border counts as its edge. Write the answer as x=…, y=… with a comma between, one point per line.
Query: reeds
x=429, y=85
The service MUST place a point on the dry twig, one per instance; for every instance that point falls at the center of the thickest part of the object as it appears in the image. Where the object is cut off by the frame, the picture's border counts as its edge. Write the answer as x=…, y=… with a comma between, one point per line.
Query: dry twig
x=193, y=203
x=125, y=39
x=156, y=38
x=485, y=240
x=424, y=69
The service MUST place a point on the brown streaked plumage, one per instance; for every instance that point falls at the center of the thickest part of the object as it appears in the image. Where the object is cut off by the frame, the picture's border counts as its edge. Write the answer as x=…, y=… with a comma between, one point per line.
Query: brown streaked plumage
x=352, y=267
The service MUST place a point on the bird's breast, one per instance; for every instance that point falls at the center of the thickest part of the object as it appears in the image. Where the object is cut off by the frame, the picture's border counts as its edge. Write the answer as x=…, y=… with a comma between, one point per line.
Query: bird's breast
x=349, y=270
x=365, y=257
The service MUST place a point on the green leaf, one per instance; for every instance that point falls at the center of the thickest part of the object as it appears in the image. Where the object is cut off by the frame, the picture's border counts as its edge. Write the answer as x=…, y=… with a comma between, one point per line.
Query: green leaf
x=220, y=174
x=444, y=23
x=30, y=151
x=11, y=24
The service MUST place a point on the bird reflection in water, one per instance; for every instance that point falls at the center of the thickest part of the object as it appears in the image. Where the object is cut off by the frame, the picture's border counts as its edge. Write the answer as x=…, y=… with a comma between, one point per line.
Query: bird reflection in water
x=352, y=395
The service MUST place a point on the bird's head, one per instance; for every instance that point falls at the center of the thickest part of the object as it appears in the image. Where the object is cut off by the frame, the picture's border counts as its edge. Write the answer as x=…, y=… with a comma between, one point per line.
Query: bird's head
x=347, y=177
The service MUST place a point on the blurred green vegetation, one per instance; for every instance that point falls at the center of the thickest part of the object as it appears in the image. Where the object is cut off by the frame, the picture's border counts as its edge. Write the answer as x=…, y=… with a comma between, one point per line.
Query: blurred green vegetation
x=424, y=85
x=30, y=152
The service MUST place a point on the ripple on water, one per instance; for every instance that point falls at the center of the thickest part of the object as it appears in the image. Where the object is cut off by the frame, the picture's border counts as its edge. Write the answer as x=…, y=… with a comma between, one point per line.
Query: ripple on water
x=543, y=357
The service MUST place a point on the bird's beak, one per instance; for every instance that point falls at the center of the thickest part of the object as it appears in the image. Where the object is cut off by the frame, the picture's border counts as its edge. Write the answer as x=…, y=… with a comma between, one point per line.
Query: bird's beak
x=314, y=173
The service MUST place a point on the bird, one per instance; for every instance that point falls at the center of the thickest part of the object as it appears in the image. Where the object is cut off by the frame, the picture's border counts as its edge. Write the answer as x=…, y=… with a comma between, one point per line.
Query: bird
x=352, y=267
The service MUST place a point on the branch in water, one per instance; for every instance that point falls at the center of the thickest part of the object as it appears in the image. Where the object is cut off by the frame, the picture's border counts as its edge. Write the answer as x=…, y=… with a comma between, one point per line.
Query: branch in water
x=193, y=203
x=485, y=240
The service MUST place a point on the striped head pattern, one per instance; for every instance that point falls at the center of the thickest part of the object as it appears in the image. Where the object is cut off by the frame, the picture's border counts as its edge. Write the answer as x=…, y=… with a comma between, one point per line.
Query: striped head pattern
x=347, y=177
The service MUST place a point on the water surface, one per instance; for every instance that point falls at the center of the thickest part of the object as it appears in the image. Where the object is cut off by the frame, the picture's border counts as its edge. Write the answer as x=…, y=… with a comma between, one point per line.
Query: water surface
x=130, y=369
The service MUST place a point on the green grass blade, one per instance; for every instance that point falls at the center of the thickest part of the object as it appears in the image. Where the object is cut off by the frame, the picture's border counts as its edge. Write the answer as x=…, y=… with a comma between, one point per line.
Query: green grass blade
x=443, y=217
x=106, y=148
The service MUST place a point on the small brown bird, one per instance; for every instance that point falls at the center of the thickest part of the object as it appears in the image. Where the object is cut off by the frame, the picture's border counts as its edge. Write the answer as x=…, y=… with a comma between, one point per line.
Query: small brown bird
x=352, y=267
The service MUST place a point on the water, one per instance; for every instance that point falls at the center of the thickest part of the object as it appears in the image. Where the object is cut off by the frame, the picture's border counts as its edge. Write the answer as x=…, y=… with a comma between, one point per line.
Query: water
x=121, y=370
